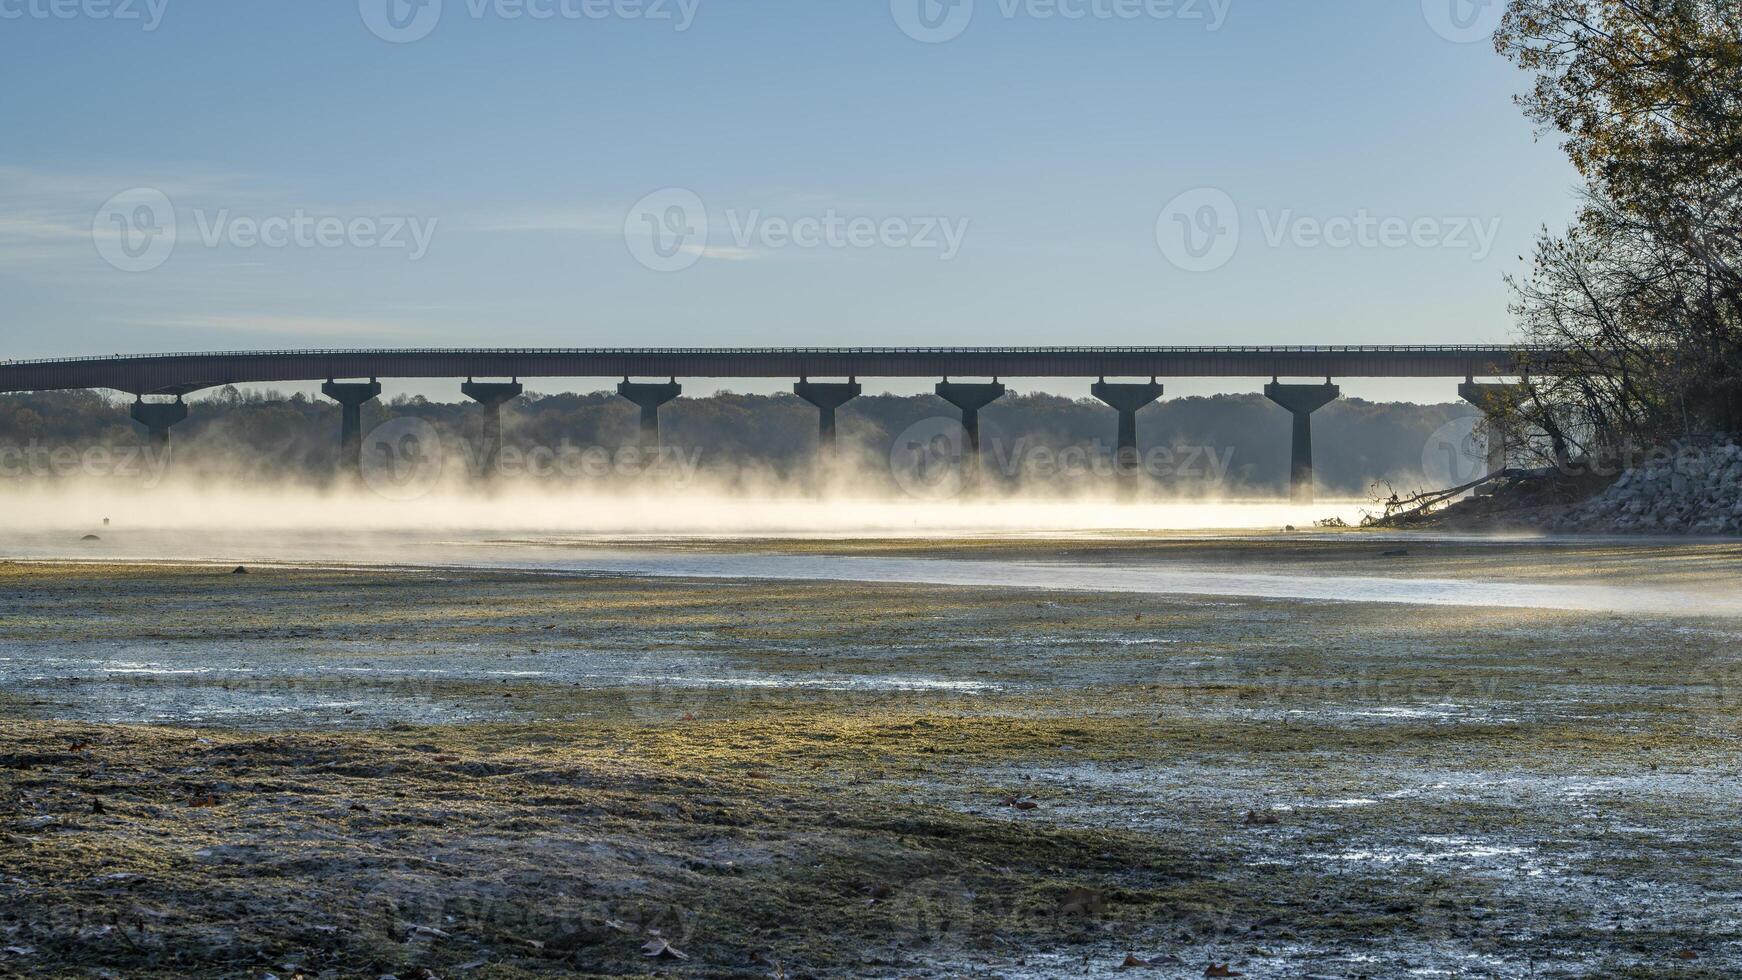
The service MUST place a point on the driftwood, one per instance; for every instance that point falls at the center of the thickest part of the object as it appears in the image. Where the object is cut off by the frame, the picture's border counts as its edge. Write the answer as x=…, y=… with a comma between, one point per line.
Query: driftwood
x=1400, y=509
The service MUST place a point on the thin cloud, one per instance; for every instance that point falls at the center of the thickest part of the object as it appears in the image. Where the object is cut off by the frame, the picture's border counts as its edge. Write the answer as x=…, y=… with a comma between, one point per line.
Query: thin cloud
x=583, y=221
x=279, y=324
x=726, y=253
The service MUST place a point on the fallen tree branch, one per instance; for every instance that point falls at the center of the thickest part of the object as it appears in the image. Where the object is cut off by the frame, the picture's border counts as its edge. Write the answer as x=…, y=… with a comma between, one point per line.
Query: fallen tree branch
x=1398, y=510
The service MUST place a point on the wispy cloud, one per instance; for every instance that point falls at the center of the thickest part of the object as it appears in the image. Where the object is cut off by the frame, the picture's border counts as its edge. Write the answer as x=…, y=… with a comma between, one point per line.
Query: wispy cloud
x=586, y=221
x=46, y=215
x=25, y=185
x=726, y=253
x=279, y=324
x=41, y=226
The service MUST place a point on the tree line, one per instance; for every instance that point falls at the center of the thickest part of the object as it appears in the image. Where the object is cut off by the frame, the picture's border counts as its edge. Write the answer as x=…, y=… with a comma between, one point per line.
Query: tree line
x=1236, y=444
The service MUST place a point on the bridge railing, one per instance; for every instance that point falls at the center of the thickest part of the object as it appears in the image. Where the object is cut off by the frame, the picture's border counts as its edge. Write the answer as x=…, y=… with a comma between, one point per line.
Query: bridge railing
x=788, y=351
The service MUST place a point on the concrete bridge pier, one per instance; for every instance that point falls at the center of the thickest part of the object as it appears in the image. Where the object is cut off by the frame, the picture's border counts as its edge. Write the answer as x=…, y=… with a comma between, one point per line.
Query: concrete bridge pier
x=1302, y=401
x=1127, y=400
x=1494, y=400
x=970, y=398
x=351, y=396
x=157, y=417
x=827, y=398
x=492, y=396
x=650, y=397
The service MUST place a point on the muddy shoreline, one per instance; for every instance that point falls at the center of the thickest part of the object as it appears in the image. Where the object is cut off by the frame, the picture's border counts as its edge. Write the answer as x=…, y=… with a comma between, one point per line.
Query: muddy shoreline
x=493, y=774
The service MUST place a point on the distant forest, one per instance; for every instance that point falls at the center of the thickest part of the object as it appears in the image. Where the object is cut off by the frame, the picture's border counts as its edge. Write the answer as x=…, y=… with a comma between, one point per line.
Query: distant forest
x=1243, y=439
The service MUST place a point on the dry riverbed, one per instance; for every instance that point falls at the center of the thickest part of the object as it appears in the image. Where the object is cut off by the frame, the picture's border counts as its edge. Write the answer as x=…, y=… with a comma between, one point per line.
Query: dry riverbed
x=499, y=774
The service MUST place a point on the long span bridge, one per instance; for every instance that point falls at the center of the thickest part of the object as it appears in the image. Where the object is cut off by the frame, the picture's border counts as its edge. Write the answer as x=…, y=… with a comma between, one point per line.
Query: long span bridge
x=180, y=374
x=340, y=371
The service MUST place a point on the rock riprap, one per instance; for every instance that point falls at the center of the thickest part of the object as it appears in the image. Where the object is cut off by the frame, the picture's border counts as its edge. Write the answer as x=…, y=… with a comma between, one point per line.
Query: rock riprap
x=1694, y=492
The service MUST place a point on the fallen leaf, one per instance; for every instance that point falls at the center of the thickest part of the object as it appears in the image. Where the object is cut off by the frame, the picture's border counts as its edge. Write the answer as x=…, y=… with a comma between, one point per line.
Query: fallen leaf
x=658, y=949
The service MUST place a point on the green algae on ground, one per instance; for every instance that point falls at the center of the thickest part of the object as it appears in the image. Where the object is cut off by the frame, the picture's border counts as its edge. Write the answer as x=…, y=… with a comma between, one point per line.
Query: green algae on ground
x=134, y=849
x=1297, y=787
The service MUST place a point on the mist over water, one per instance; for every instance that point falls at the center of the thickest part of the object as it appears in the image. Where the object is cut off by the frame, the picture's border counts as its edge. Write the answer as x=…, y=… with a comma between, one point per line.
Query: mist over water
x=580, y=532
x=697, y=511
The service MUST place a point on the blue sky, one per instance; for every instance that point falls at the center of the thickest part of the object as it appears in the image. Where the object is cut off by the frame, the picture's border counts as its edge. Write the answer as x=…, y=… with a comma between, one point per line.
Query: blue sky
x=1004, y=186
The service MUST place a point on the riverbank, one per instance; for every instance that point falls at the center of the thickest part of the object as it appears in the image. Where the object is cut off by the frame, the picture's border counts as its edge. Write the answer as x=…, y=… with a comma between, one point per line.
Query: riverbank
x=489, y=773
x=1696, y=491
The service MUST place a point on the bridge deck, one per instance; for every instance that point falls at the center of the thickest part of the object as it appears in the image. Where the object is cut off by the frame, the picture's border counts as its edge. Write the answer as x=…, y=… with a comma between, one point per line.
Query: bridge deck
x=182, y=373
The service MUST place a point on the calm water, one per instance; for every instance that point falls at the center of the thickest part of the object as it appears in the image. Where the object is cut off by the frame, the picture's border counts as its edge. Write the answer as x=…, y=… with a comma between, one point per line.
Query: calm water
x=1159, y=577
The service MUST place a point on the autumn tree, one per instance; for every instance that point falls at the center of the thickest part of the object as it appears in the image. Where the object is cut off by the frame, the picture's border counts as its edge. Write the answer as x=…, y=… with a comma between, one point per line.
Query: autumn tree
x=1644, y=293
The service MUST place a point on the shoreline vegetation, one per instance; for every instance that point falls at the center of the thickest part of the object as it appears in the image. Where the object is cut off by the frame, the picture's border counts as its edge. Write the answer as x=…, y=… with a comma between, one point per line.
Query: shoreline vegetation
x=465, y=773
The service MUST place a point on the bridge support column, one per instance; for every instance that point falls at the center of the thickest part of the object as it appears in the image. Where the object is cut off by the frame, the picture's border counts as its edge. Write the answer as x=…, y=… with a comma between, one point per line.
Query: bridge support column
x=351, y=396
x=649, y=397
x=492, y=396
x=1302, y=401
x=970, y=398
x=158, y=417
x=1127, y=400
x=1494, y=400
x=827, y=398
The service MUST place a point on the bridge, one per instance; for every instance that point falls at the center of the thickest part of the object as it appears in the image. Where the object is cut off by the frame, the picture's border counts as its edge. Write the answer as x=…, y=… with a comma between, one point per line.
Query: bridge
x=175, y=376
